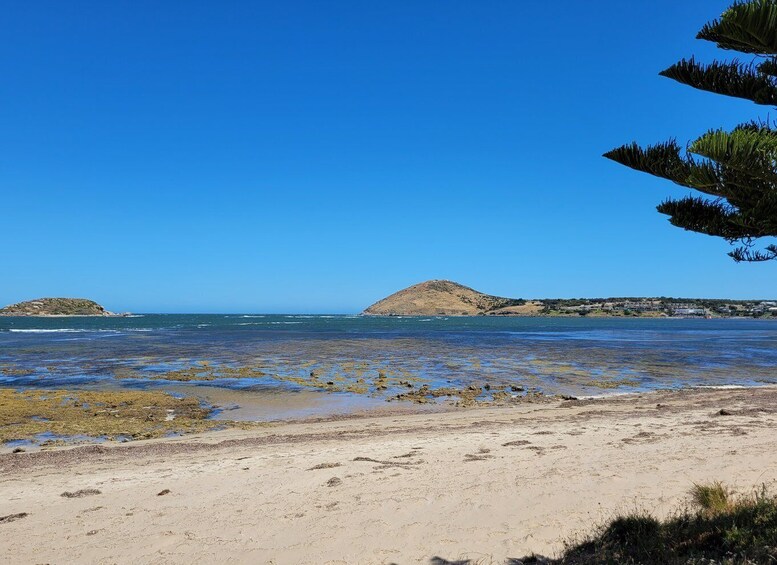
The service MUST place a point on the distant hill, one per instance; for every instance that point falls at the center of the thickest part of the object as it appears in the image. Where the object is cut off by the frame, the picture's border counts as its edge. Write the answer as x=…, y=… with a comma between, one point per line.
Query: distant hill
x=55, y=307
x=447, y=298
x=440, y=298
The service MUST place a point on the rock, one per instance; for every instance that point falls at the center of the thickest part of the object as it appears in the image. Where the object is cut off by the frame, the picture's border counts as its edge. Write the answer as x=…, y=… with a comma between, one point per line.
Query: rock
x=724, y=412
x=334, y=481
x=163, y=492
x=56, y=307
x=19, y=450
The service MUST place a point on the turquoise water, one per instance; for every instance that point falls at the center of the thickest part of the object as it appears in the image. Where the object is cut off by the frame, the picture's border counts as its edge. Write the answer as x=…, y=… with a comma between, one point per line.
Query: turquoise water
x=577, y=356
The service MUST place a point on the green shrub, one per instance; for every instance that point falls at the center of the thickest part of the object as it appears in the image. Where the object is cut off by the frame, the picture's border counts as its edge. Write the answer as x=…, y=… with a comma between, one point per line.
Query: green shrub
x=719, y=528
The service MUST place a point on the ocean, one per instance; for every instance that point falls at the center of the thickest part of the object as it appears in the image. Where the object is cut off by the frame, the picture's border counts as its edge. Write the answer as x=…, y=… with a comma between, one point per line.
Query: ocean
x=321, y=365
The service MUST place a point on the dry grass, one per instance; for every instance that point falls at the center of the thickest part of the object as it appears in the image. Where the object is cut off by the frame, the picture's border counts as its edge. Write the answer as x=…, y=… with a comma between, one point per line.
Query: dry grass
x=713, y=498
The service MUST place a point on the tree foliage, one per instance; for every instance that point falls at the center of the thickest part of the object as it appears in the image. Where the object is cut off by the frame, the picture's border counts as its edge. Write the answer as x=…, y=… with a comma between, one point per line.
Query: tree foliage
x=734, y=171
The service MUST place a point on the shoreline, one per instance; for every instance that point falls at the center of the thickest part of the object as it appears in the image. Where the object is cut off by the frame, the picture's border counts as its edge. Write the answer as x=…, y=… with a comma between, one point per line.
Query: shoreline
x=549, y=405
x=250, y=414
x=484, y=483
x=368, y=315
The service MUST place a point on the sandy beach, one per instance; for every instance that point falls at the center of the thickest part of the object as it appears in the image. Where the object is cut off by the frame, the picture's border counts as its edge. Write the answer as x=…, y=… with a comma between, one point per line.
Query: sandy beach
x=486, y=484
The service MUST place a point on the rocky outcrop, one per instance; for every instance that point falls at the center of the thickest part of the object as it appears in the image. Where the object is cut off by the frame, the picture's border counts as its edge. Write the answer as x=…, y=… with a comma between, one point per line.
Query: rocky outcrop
x=56, y=307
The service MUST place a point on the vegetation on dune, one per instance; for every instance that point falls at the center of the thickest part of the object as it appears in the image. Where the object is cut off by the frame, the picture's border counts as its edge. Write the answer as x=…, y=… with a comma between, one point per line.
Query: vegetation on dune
x=717, y=526
x=734, y=171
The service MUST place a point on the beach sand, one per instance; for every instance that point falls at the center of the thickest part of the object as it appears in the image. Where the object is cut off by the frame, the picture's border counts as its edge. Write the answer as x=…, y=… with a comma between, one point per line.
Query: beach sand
x=486, y=484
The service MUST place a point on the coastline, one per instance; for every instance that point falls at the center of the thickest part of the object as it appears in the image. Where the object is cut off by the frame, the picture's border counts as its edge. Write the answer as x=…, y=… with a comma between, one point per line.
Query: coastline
x=483, y=483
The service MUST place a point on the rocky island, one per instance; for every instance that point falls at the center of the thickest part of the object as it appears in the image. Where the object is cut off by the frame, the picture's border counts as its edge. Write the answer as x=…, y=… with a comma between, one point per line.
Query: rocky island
x=448, y=298
x=56, y=307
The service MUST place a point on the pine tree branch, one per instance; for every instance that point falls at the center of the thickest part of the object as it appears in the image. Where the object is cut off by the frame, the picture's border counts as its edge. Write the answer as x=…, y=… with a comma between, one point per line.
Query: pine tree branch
x=747, y=27
x=728, y=78
x=745, y=254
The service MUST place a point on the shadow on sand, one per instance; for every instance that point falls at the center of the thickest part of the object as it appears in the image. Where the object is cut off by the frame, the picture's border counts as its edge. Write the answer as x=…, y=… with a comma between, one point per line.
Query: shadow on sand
x=532, y=559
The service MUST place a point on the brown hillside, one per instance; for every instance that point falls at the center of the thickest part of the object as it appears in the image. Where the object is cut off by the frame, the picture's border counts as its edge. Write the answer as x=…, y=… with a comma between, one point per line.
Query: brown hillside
x=439, y=298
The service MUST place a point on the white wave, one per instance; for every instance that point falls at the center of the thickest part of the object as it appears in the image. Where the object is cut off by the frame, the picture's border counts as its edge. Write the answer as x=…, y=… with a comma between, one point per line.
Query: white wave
x=252, y=316
x=77, y=330
x=57, y=330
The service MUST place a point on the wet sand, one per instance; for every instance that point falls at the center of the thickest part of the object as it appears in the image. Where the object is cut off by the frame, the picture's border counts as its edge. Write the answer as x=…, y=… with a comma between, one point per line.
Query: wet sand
x=483, y=483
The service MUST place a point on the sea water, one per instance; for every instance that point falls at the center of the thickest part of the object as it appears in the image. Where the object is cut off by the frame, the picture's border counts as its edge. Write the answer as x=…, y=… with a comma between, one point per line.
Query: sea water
x=570, y=356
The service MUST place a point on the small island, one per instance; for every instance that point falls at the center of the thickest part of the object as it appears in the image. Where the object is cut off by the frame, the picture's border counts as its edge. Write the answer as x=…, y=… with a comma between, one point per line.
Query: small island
x=56, y=307
x=448, y=298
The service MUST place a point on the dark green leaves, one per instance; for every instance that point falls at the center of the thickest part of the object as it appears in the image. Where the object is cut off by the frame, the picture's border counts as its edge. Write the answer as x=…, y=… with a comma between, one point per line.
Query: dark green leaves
x=747, y=27
x=736, y=170
x=727, y=78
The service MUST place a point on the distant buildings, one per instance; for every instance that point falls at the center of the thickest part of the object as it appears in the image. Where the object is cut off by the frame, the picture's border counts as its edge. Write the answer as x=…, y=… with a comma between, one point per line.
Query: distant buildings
x=661, y=307
x=689, y=311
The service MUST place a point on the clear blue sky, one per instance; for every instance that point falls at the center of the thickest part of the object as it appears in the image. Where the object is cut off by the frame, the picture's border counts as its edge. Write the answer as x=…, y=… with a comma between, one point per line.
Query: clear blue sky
x=316, y=156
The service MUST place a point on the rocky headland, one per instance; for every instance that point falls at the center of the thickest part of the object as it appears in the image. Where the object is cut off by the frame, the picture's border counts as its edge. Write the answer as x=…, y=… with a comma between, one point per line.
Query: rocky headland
x=448, y=298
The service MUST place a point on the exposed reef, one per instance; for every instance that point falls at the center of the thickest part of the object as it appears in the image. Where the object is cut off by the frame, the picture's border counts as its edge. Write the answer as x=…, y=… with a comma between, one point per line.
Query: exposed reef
x=62, y=416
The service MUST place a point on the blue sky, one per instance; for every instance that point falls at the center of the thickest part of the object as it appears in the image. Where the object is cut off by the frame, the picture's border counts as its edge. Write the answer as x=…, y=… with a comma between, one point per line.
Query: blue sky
x=316, y=156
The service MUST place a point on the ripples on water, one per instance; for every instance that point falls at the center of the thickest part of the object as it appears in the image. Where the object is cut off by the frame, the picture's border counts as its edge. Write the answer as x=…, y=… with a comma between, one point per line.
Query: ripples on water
x=553, y=355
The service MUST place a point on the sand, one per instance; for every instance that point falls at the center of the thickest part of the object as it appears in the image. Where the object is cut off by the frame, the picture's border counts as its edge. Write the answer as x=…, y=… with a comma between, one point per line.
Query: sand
x=486, y=484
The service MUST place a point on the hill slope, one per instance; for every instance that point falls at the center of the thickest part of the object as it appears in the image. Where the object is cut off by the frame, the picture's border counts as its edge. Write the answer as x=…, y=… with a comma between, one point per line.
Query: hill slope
x=55, y=307
x=439, y=298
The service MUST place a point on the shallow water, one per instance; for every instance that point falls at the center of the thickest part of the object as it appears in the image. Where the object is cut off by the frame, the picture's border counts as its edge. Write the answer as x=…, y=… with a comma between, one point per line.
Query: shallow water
x=554, y=355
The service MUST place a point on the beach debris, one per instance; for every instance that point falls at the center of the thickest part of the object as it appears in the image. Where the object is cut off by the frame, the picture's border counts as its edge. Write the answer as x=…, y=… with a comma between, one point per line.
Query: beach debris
x=325, y=466
x=388, y=463
x=81, y=493
x=163, y=492
x=334, y=481
x=480, y=457
x=92, y=532
x=19, y=450
x=516, y=443
x=724, y=412
x=13, y=517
